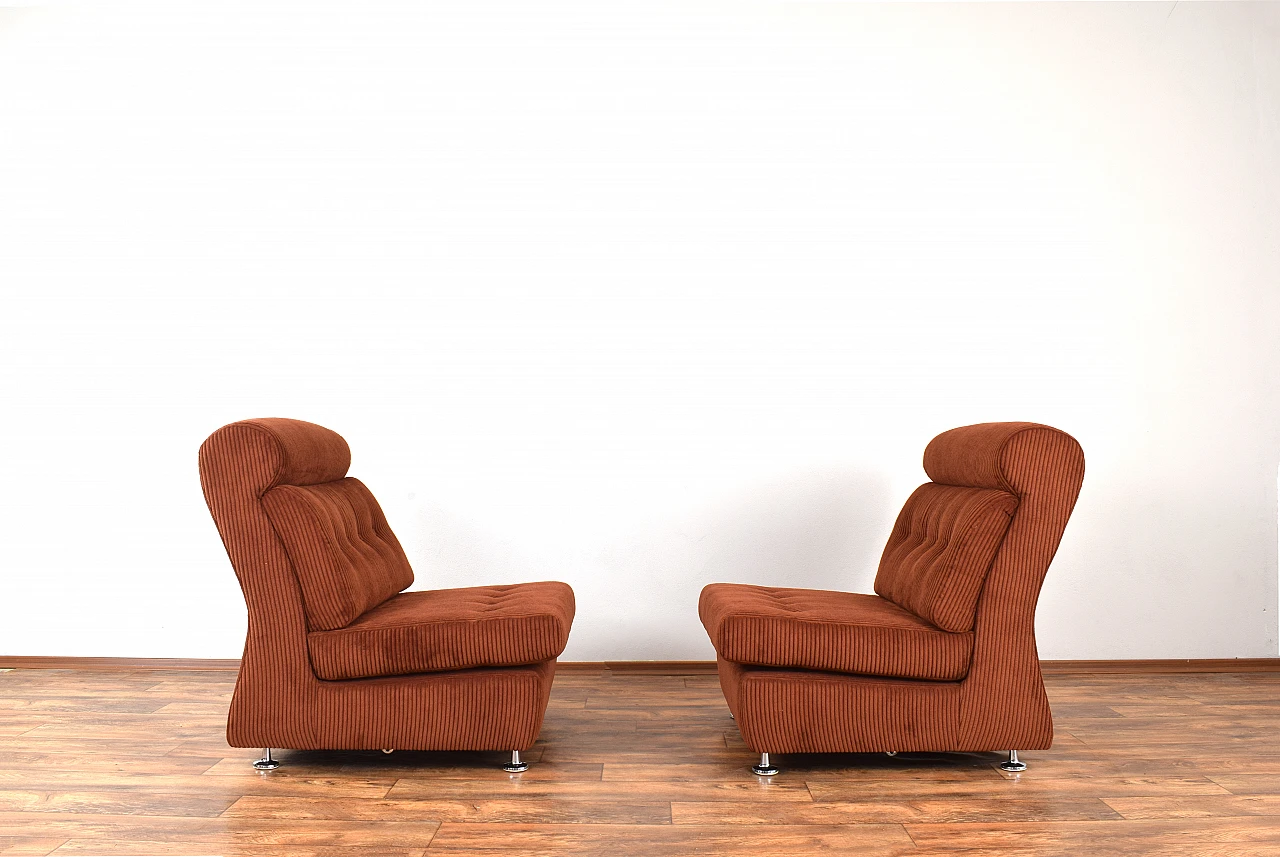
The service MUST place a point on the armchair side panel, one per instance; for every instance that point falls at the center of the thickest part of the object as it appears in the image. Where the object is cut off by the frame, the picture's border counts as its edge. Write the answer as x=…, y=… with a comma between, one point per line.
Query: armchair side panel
x=1002, y=700
x=238, y=464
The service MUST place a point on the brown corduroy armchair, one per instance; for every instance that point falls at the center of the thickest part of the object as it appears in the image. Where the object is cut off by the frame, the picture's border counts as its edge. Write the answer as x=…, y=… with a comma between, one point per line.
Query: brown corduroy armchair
x=337, y=656
x=944, y=657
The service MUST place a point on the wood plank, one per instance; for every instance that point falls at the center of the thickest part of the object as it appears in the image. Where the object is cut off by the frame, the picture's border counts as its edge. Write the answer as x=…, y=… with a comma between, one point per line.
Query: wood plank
x=12, y=727
x=1216, y=763
x=1248, y=784
x=138, y=733
x=28, y=763
x=115, y=802
x=21, y=846
x=874, y=840
x=250, y=782
x=185, y=848
x=912, y=810
x=92, y=703
x=1200, y=806
x=701, y=772
x=745, y=788
x=998, y=788
x=510, y=811
x=1179, y=732
x=1164, y=836
x=212, y=709
x=1105, y=767
x=233, y=832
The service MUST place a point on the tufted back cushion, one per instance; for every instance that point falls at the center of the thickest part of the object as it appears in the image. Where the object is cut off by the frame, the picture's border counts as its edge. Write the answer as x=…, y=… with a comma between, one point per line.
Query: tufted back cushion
x=941, y=549
x=345, y=556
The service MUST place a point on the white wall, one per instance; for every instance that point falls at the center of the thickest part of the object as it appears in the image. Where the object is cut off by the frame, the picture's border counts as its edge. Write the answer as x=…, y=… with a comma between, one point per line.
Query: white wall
x=640, y=297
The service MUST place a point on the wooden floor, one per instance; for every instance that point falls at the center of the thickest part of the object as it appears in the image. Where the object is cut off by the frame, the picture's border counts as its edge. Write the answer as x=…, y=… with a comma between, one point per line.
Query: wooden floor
x=136, y=763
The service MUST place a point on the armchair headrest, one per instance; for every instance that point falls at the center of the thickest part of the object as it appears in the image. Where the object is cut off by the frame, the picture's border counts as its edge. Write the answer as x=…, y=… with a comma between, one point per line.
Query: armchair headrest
x=986, y=455
x=275, y=451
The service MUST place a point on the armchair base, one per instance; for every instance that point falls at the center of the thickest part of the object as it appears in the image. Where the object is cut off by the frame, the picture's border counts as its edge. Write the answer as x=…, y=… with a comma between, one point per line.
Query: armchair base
x=805, y=711
x=476, y=709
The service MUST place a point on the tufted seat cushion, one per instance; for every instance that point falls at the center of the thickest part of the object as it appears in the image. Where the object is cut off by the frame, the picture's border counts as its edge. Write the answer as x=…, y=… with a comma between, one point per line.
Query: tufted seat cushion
x=448, y=629
x=832, y=631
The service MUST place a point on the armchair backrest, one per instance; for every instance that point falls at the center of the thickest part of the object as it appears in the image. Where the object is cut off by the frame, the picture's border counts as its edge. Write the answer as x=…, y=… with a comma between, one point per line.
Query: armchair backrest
x=941, y=549
x=346, y=557
x=1041, y=466
x=952, y=530
x=302, y=538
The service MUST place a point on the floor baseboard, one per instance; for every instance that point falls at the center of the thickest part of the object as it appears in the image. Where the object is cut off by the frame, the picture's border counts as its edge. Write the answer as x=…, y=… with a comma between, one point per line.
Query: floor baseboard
x=1176, y=665
x=633, y=667
x=1131, y=667
x=41, y=662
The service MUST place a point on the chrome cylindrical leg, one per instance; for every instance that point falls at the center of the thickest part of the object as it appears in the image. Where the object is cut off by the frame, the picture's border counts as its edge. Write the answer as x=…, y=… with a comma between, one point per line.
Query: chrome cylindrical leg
x=765, y=768
x=266, y=763
x=1013, y=766
x=515, y=766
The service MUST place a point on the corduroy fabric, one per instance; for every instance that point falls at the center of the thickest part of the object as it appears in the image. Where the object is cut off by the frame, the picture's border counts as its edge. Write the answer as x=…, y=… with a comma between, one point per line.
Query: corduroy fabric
x=940, y=551
x=789, y=711
x=483, y=709
x=835, y=631
x=1000, y=704
x=1002, y=701
x=346, y=557
x=449, y=629
x=278, y=700
x=302, y=453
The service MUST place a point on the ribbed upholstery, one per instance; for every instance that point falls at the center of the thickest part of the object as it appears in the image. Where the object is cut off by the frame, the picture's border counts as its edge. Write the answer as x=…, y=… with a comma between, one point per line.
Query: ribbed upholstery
x=788, y=711
x=484, y=709
x=1002, y=701
x=346, y=557
x=278, y=700
x=449, y=629
x=940, y=551
x=836, y=631
x=1000, y=704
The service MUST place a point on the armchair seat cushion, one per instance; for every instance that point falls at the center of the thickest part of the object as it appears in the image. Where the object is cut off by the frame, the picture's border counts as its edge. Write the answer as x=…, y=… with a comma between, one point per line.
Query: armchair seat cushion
x=448, y=629
x=831, y=631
